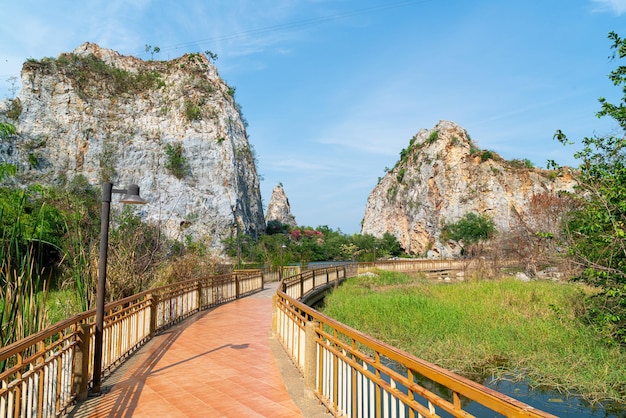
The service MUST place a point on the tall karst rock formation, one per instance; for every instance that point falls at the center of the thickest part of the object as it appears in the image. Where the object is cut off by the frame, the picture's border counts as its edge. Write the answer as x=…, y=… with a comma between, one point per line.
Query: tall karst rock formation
x=442, y=176
x=173, y=127
x=279, y=209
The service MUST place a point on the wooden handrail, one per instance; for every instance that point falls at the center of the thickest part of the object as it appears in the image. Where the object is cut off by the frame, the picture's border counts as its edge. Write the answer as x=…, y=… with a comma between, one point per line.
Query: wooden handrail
x=343, y=367
x=67, y=346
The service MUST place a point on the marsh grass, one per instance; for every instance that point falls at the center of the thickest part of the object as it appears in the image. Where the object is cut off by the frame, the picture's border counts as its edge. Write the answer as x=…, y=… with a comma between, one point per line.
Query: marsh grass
x=23, y=282
x=480, y=328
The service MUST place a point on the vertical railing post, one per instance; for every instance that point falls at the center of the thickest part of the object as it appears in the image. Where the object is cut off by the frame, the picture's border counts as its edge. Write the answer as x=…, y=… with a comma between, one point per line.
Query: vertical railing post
x=81, y=362
x=310, y=355
x=301, y=285
x=199, y=295
x=236, y=286
x=154, y=304
x=275, y=313
x=18, y=389
x=41, y=348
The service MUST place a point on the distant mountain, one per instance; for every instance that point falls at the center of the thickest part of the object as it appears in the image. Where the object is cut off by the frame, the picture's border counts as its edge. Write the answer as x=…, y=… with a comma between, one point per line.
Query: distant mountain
x=279, y=208
x=440, y=177
x=173, y=127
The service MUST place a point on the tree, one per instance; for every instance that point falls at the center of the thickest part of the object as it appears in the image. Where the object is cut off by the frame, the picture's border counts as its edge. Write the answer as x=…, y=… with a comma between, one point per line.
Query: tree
x=597, y=229
x=536, y=234
x=390, y=245
x=152, y=50
x=212, y=56
x=470, y=230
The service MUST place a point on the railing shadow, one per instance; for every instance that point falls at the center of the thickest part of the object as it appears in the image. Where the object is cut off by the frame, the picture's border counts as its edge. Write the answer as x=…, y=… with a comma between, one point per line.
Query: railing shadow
x=129, y=380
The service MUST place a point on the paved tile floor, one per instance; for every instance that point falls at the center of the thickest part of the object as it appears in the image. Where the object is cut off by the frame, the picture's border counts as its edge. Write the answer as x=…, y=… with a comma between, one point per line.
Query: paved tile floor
x=217, y=363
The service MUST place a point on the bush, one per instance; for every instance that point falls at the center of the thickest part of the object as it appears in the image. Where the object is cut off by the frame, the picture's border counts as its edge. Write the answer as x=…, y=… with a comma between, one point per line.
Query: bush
x=176, y=162
x=192, y=111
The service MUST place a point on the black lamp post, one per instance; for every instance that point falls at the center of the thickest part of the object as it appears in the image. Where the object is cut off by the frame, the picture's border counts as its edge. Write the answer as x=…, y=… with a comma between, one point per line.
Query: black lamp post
x=131, y=196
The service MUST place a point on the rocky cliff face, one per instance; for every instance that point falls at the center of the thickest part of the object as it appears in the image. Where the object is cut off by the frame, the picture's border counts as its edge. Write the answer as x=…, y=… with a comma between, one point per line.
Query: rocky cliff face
x=173, y=127
x=442, y=176
x=279, y=209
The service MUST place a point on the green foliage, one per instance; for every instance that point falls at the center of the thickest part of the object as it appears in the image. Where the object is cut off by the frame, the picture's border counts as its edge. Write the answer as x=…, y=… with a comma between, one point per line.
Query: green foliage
x=7, y=170
x=211, y=55
x=15, y=109
x=80, y=204
x=276, y=227
x=486, y=155
x=108, y=160
x=6, y=130
x=400, y=175
x=240, y=111
x=33, y=161
x=176, y=163
x=152, y=50
x=597, y=229
x=471, y=229
x=517, y=163
x=49, y=237
x=93, y=77
x=28, y=237
x=193, y=111
x=134, y=246
x=26, y=214
x=390, y=245
x=433, y=137
x=304, y=244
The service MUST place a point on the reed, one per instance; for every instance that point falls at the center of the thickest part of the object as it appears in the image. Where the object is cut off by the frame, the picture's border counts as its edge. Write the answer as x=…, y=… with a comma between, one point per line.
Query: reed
x=23, y=282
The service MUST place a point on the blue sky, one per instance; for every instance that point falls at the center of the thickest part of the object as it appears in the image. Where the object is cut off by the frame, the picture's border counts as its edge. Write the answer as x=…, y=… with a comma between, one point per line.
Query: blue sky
x=333, y=90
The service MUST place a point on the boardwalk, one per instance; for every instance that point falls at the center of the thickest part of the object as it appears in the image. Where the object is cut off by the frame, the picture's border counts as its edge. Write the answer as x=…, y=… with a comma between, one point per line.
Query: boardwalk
x=221, y=362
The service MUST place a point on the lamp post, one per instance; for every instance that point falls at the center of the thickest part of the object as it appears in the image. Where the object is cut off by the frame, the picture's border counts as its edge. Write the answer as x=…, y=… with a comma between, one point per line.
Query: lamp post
x=131, y=196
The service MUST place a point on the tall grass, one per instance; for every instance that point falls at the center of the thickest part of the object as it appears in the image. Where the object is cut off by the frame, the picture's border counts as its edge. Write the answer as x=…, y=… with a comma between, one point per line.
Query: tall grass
x=504, y=327
x=23, y=287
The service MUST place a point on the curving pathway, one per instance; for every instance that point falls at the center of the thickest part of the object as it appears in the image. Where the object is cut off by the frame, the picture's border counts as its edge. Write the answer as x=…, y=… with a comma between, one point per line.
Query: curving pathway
x=221, y=362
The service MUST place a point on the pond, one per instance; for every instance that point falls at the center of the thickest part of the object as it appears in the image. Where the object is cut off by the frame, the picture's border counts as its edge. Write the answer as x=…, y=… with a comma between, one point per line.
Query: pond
x=545, y=400
x=554, y=402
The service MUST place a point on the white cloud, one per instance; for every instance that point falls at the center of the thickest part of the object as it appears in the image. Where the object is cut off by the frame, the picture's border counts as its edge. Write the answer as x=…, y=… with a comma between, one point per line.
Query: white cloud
x=616, y=6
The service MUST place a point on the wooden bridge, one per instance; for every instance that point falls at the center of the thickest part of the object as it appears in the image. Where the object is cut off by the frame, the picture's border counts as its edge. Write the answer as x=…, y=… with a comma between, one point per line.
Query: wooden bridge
x=204, y=348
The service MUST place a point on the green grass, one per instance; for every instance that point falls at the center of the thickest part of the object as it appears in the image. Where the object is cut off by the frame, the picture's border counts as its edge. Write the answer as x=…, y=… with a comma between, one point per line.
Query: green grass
x=476, y=328
x=62, y=304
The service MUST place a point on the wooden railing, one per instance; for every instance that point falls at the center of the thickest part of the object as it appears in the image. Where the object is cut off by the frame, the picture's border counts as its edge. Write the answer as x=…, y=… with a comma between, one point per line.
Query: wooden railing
x=301, y=284
x=355, y=375
x=42, y=375
x=407, y=264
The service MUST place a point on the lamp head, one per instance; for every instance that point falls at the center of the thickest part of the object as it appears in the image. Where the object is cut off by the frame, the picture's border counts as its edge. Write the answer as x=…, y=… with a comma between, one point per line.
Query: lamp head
x=132, y=196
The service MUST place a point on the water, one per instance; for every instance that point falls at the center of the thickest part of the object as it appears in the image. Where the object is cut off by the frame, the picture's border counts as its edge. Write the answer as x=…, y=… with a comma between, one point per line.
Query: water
x=554, y=402
x=546, y=400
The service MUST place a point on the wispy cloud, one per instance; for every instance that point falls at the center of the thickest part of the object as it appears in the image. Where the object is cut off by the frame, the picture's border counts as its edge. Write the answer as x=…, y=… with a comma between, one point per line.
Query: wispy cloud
x=618, y=7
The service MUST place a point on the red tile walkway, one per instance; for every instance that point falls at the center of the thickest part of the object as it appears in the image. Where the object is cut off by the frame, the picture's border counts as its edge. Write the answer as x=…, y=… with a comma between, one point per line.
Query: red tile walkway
x=218, y=363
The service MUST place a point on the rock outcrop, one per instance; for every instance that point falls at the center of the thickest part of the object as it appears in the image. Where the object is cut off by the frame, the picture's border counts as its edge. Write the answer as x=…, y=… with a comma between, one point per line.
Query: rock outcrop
x=279, y=208
x=172, y=127
x=441, y=176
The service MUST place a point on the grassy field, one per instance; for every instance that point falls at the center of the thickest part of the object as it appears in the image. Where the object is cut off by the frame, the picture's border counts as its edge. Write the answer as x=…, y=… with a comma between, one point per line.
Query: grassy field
x=529, y=330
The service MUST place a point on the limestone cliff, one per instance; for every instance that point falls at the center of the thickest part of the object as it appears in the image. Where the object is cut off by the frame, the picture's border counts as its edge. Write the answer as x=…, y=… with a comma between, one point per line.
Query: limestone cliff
x=441, y=176
x=279, y=208
x=173, y=127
